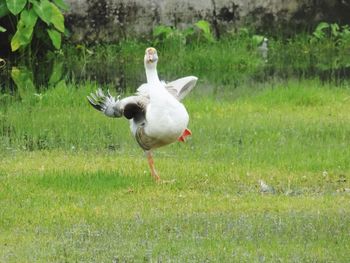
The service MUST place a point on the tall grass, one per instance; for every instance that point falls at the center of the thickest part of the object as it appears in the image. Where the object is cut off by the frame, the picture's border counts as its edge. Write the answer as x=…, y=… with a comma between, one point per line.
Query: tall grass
x=231, y=61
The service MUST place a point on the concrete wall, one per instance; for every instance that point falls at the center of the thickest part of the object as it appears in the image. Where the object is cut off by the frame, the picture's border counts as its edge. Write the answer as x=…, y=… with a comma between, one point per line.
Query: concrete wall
x=112, y=20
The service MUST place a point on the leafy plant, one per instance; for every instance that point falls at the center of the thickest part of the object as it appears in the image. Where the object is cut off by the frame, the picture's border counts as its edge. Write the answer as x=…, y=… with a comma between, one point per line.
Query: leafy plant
x=333, y=31
x=29, y=12
x=23, y=79
x=183, y=36
x=204, y=27
x=257, y=39
x=319, y=32
x=331, y=45
x=169, y=34
x=163, y=31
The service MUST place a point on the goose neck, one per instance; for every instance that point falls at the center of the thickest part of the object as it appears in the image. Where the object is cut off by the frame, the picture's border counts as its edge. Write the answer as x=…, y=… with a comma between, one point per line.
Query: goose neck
x=152, y=76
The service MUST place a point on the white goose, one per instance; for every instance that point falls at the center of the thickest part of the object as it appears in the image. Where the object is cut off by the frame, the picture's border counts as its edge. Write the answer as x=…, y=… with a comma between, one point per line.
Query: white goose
x=157, y=117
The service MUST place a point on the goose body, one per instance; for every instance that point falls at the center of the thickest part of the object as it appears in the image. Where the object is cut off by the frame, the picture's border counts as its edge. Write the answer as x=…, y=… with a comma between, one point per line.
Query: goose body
x=166, y=118
x=157, y=116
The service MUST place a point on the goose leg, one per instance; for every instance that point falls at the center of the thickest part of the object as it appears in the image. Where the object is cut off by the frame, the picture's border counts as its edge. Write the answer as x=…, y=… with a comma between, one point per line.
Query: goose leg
x=151, y=166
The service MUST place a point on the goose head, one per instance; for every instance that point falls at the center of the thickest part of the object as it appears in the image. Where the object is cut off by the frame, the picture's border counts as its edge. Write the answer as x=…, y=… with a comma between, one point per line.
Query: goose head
x=151, y=58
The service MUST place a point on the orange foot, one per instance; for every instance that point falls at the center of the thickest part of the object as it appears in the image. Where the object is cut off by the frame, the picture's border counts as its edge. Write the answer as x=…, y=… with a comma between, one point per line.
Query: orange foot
x=186, y=133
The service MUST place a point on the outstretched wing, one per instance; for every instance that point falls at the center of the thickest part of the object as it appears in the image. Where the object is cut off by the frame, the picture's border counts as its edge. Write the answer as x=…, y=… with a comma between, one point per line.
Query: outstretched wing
x=181, y=87
x=107, y=104
x=130, y=107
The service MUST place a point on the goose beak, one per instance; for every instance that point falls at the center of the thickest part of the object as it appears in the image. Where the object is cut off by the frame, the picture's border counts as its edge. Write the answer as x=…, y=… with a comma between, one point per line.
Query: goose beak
x=151, y=58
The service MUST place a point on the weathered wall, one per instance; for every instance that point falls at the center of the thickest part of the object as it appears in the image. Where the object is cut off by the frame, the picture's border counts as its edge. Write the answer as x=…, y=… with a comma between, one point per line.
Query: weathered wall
x=111, y=20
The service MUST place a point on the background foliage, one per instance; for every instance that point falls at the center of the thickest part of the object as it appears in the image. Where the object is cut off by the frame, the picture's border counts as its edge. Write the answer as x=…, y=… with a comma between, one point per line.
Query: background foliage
x=32, y=18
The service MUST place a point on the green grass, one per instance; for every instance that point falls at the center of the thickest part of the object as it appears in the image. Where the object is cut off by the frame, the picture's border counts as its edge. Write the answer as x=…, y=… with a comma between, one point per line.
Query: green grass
x=74, y=186
x=230, y=61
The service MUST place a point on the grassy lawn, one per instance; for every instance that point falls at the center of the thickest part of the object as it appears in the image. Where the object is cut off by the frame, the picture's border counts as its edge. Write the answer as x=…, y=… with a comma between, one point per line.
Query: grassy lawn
x=75, y=187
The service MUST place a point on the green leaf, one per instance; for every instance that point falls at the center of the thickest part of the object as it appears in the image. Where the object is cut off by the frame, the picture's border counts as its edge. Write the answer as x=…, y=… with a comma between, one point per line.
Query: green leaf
x=56, y=74
x=25, y=26
x=318, y=33
x=204, y=26
x=243, y=31
x=66, y=32
x=17, y=41
x=162, y=30
x=55, y=37
x=188, y=32
x=57, y=18
x=16, y=6
x=61, y=4
x=29, y=18
x=335, y=29
x=23, y=79
x=50, y=14
x=3, y=9
x=257, y=39
x=44, y=10
x=2, y=29
x=322, y=26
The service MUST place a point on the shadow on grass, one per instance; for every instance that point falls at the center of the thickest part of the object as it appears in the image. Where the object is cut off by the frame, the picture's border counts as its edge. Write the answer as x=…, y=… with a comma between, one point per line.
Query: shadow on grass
x=99, y=181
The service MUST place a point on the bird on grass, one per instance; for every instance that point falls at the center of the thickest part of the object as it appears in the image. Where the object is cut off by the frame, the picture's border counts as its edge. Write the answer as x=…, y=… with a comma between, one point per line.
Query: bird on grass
x=263, y=49
x=157, y=116
x=265, y=188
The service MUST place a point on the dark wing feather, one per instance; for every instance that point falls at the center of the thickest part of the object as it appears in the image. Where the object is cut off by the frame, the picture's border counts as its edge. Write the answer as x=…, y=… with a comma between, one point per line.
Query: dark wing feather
x=109, y=105
x=133, y=110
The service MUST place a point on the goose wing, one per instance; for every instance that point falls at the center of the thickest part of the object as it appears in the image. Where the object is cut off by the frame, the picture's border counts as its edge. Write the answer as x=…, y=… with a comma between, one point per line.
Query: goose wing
x=181, y=87
x=129, y=107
